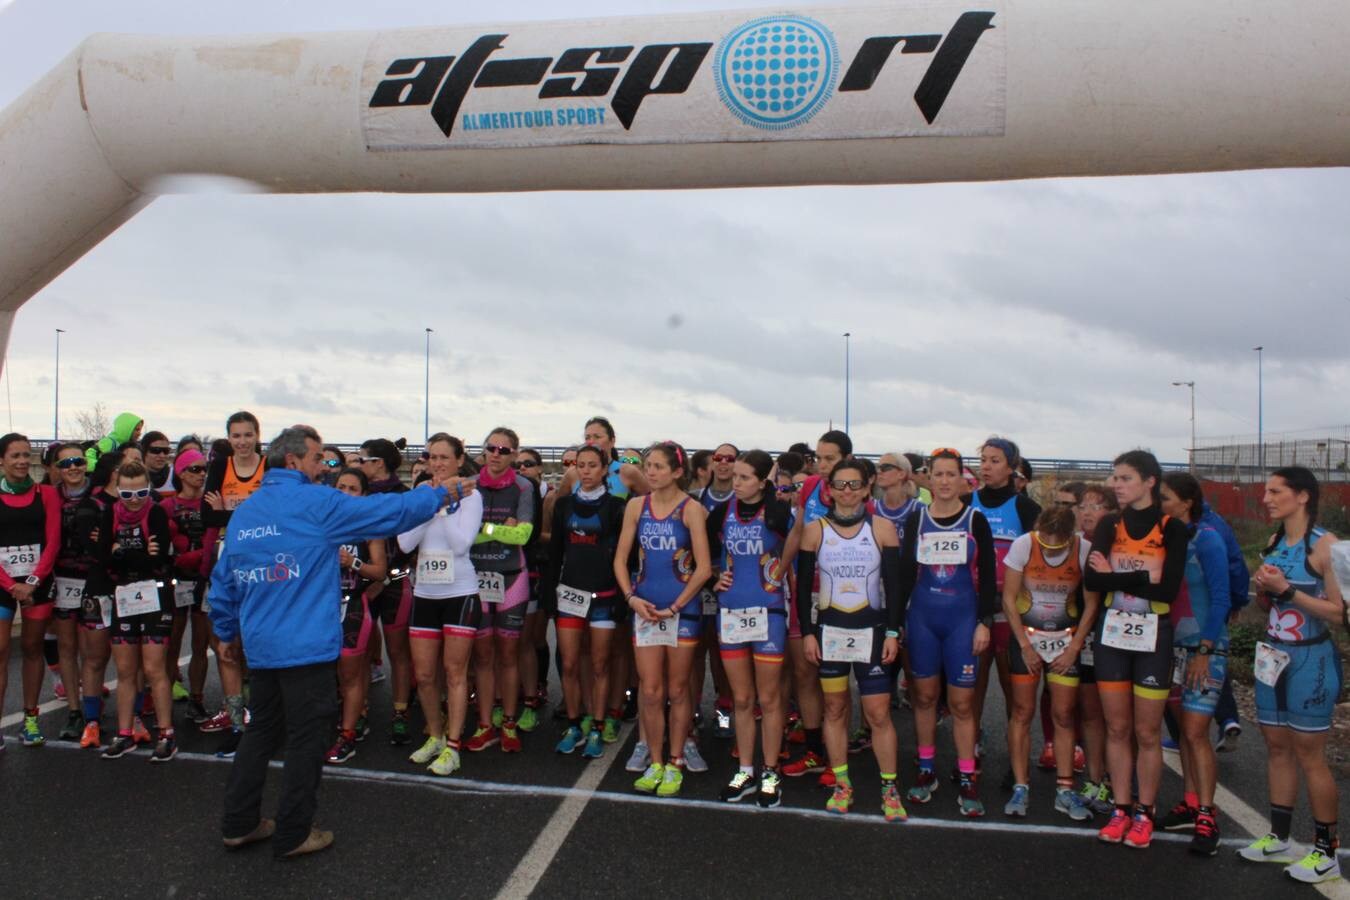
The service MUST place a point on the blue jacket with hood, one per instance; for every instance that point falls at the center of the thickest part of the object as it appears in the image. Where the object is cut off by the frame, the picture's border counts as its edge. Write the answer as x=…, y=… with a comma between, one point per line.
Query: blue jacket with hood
x=276, y=582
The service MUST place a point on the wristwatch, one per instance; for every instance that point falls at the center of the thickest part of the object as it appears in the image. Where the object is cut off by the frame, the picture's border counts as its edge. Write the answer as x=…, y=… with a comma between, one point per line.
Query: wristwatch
x=1287, y=595
x=356, y=564
x=1204, y=650
x=987, y=621
x=33, y=580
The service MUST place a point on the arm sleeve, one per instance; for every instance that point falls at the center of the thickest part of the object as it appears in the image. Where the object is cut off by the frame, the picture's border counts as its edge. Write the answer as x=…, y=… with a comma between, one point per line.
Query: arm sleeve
x=806, y=577
x=215, y=478
x=462, y=528
x=1028, y=511
x=986, y=566
x=890, y=584
x=557, y=544
x=1175, y=539
x=1104, y=582
x=716, y=519
x=1213, y=556
x=514, y=535
x=159, y=529
x=51, y=547
x=909, y=558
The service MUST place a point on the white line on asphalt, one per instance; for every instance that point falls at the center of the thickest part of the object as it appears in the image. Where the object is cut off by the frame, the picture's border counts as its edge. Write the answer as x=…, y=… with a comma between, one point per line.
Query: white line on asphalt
x=50, y=705
x=535, y=862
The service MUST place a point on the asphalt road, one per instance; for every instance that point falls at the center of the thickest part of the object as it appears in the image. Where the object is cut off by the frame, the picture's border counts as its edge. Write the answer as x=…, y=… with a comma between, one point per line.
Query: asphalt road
x=549, y=826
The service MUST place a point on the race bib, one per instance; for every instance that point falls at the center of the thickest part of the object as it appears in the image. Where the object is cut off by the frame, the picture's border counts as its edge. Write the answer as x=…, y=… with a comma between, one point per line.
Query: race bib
x=661, y=633
x=68, y=592
x=491, y=587
x=850, y=645
x=742, y=626
x=942, y=548
x=435, y=567
x=184, y=593
x=574, y=602
x=137, y=599
x=1270, y=663
x=1179, y=657
x=1085, y=656
x=1136, y=632
x=1049, y=644
x=709, y=600
x=20, y=562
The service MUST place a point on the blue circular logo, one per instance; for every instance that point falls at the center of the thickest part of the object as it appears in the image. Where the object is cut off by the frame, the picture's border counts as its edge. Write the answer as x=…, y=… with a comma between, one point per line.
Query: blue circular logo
x=778, y=71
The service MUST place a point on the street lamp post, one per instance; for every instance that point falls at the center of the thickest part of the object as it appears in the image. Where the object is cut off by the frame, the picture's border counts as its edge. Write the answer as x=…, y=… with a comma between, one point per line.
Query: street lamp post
x=56, y=400
x=1260, y=413
x=1190, y=455
x=426, y=396
x=847, y=377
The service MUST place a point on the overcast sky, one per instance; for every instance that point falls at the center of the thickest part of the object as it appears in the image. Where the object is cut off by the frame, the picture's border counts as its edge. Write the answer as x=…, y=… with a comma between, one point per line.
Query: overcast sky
x=1056, y=312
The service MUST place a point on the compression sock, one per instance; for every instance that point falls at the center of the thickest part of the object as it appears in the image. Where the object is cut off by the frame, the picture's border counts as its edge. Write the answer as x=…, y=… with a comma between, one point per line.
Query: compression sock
x=841, y=775
x=93, y=707
x=138, y=705
x=1191, y=799
x=926, y=755
x=541, y=660
x=1326, y=837
x=815, y=741
x=235, y=704
x=51, y=653
x=1281, y=821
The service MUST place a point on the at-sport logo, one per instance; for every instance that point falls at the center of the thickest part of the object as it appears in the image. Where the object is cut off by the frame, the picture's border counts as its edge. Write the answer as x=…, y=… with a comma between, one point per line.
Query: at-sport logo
x=626, y=75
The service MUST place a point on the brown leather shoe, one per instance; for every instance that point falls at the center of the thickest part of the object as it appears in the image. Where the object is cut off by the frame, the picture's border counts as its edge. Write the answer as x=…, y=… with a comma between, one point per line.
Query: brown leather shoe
x=317, y=840
x=265, y=829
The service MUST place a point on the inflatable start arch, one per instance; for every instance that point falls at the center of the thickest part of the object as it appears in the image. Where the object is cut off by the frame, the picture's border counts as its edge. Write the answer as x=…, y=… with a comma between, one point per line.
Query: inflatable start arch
x=903, y=93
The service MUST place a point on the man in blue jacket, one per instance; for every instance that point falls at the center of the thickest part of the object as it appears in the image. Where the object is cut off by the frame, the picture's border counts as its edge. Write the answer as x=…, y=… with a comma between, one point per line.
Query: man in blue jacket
x=274, y=593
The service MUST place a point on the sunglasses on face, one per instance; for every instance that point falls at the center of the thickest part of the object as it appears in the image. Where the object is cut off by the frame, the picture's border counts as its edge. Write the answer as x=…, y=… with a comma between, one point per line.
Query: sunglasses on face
x=138, y=494
x=370, y=459
x=71, y=462
x=786, y=488
x=159, y=450
x=852, y=484
x=723, y=458
x=632, y=460
x=887, y=467
x=525, y=464
x=332, y=463
x=499, y=451
x=196, y=470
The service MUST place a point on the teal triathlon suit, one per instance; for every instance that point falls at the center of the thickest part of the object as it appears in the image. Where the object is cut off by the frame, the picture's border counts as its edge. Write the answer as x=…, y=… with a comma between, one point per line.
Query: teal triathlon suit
x=355, y=616
x=1200, y=613
x=947, y=575
x=580, y=573
x=80, y=517
x=141, y=601
x=665, y=565
x=747, y=540
x=1010, y=515
x=1304, y=694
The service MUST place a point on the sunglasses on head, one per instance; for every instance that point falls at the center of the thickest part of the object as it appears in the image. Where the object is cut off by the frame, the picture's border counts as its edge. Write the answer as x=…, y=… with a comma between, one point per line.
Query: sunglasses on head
x=498, y=450
x=369, y=459
x=631, y=460
x=851, y=484
x=159, y=450
x=71, y=462
x=138, y=494
x=196, y=470
x=946, y=451
x=568, y=463
x=723, y=458
x=786, y=488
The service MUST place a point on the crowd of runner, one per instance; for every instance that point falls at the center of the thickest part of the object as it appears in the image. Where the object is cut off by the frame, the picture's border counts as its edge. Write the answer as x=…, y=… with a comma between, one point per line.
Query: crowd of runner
x=796, y=581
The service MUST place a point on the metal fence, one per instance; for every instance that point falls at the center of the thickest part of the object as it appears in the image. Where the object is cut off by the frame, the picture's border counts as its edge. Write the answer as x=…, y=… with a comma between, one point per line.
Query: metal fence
x=1244, y=458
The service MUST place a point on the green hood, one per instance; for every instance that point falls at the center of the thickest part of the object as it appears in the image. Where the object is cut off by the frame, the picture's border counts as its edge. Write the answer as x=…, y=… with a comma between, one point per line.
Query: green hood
x=123, y=426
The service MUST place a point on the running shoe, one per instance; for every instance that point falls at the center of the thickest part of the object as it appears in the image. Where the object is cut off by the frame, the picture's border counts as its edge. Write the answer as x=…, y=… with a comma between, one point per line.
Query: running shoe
x=572, y=739
x=484, y=736
x=1017, y=804
x=1180, y=818
x=180, y=693
x=794, y=732
x=595, y=746
x=1228, y=736
x=891, y=807
x=362, y=728
x=968, y=803
x=925, y=783
x=399, y=733
x=428, y=751
x=741, y=785
x=1113, y=832
x=610, y=732
x=197, y=713
x=219, y=722
x=1205, y=842
x=693, y=760
x=166, y=748
x=529, y=719
x=446, y=762
x=1270, y=849
x=807, y=764
x=1104, y=802
x=629, y=705
x=377, y=674
x=841, y=801
x=1315, y=868
x=1170, y=746
x=92, y=736
x=2, y=743
x=497, y=716
x=826, y=779
x=120, y=746
x=229, y=744
x=671, y=781
x=31, y=735
x=724, y=729
x=770, y=790
x=511, y=739
x=860, y=740
x=1072, y=804
x=1047, y=760
x=650, y=780
x=640, y=759
x=341, y=751
x=1079, y=760
x=1140, y=834
x=74, y=725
